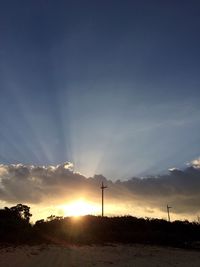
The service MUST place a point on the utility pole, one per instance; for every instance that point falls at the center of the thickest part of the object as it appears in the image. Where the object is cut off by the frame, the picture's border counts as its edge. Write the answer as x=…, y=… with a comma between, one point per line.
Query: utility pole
x=102, y=197
x=168, y=208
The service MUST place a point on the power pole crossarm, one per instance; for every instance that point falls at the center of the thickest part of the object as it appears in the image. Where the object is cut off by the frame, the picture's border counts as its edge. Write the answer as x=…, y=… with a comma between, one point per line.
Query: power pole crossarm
x=102, y=197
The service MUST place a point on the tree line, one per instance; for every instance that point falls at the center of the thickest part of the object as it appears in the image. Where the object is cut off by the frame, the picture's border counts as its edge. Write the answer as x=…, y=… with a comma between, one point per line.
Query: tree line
x=15, y=228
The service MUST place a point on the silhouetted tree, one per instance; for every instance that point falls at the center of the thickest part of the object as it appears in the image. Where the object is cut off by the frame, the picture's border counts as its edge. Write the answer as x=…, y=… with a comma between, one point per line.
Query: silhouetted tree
x=22, y=212
x=15, y=228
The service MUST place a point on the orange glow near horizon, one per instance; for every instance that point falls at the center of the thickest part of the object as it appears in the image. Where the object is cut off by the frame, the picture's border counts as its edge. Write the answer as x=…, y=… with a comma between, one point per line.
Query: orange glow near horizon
x=79, y=208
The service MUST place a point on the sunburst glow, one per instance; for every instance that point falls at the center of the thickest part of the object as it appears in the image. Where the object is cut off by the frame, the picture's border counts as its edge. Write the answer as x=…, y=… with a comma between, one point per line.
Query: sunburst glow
x=80, y=208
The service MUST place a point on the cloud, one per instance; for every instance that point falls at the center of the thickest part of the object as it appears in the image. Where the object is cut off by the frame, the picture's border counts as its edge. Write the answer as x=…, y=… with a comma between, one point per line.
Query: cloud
x=34, y=184
x=39, y=184
x=179, y=188
x=196, y=163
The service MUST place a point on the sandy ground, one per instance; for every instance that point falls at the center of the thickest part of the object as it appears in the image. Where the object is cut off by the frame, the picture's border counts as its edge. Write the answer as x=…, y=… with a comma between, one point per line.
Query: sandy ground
x=85, y=256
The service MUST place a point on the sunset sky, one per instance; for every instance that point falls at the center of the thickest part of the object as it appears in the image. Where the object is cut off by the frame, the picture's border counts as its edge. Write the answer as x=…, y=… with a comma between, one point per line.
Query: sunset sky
x=94, y=91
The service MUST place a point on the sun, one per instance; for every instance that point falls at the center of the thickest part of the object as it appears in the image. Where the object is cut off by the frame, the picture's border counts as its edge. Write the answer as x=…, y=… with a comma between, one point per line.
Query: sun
x=79, y=208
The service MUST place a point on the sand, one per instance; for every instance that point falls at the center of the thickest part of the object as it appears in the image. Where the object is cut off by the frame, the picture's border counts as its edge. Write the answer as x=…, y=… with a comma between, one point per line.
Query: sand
x=100, y=256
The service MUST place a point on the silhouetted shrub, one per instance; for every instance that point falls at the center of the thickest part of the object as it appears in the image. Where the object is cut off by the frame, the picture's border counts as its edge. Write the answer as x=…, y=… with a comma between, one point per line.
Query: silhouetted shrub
x=15, y=227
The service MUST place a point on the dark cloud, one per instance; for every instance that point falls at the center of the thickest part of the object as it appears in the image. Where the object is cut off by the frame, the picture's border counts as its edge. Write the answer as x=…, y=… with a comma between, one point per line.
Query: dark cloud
x=37, y=184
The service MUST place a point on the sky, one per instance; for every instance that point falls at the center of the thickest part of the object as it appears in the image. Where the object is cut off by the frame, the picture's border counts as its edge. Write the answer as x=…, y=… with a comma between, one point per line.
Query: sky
x=108, y=87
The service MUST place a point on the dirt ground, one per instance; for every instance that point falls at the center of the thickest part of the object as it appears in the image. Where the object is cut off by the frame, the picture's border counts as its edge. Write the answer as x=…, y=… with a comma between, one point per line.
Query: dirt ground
x=100, y=256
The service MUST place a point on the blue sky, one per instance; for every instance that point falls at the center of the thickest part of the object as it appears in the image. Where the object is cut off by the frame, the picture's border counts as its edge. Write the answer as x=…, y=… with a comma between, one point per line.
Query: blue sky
x=112, y=86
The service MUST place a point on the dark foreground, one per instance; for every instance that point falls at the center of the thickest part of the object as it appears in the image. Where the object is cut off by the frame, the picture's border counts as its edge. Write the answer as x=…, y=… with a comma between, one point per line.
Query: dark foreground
x=97, y=256
x=15, y=228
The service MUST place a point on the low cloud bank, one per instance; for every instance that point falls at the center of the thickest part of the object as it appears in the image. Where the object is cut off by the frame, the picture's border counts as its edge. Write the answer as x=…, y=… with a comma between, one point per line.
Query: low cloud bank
x=39, y=184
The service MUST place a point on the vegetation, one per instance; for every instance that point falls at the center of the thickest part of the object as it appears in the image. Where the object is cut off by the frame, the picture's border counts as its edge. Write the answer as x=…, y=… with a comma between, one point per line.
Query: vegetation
x=15, y=227
x=14, y=224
